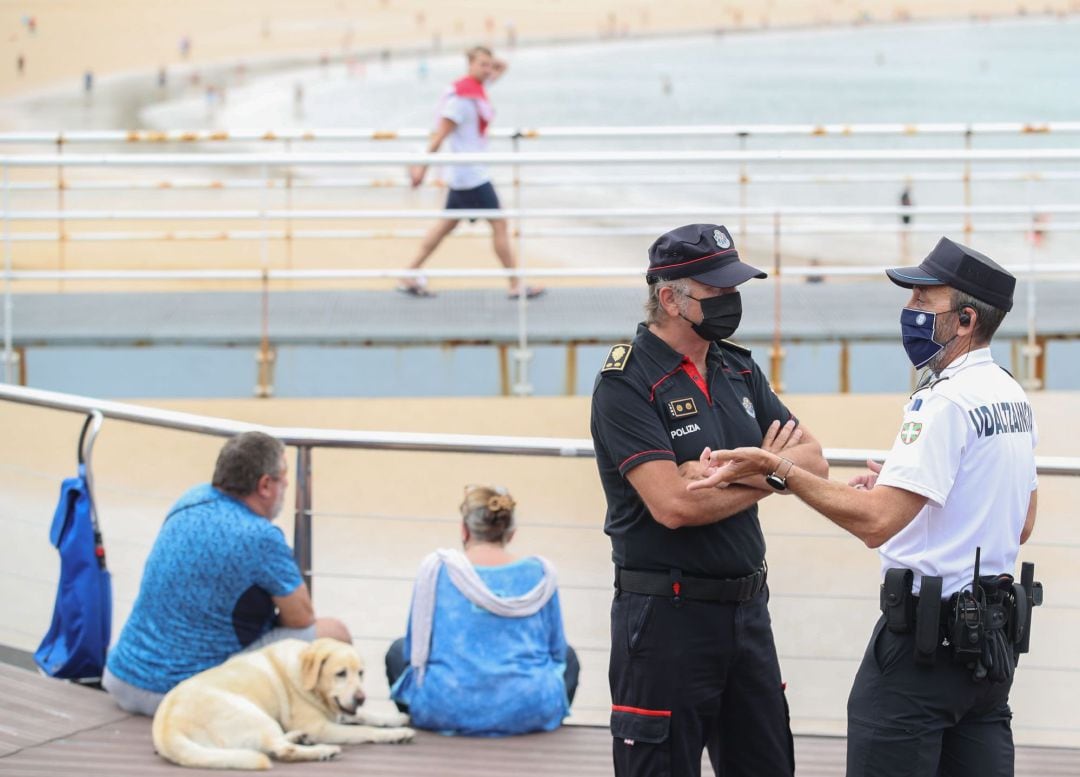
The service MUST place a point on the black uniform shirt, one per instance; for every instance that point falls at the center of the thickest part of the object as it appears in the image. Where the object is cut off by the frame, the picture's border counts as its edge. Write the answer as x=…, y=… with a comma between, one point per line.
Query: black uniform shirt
x=647, y=405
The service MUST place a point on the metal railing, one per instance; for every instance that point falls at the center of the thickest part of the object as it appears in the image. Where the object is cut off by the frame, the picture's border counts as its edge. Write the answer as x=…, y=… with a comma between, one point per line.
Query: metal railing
x=306, y=439
x=286, y=224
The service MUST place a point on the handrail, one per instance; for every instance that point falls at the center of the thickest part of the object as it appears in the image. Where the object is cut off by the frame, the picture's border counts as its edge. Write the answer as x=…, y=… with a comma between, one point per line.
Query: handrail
x=278, y=214
x=541, y=157
x=397, y=441
x=355, y=182
x=348, y=273
x=531, y=133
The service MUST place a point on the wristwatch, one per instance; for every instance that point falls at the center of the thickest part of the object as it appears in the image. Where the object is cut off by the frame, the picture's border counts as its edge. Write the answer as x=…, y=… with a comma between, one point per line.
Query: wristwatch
x=778, y=481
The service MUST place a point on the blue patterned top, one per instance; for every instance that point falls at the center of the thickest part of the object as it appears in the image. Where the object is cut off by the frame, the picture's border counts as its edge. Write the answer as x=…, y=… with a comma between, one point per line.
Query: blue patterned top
x=205, y=592
x=488, y=675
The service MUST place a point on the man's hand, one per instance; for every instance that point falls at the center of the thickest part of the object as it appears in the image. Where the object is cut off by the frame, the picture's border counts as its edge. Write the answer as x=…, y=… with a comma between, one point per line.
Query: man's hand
x=778, y=437
x=416, y=174
x=727, y=467
x=867, y=480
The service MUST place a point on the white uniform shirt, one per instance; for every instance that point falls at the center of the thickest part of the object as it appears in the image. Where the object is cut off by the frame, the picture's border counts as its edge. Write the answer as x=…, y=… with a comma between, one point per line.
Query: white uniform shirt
x=466, y=137
x=967, y=444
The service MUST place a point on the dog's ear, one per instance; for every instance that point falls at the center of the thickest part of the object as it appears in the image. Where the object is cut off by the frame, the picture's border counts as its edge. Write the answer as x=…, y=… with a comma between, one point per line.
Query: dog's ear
x=311, y=662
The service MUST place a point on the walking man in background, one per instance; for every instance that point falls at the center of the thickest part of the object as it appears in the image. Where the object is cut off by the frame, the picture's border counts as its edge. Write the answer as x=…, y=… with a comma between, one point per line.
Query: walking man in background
x=465, y=114
x=948, y=511
x=693, y=661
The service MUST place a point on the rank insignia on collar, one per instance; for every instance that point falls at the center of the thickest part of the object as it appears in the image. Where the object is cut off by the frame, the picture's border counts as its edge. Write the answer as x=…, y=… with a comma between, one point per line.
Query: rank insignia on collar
x=910, y=432
x=617, y=358
x=681, y=408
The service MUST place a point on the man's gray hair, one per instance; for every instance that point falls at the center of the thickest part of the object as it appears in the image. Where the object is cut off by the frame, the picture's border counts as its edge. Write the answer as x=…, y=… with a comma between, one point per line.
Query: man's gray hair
x=654, y=314
x=244, y=460
x=988, y=318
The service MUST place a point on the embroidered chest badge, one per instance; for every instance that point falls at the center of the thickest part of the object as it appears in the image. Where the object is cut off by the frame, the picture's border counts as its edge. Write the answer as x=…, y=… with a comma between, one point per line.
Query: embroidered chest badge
x=681, y=408
x=748, y=406
x=910, y=432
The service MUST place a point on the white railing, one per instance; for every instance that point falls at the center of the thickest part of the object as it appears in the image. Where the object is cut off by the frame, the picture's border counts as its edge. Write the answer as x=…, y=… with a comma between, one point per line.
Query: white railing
x=306, y=439
x=287, y=224
x=965, y=130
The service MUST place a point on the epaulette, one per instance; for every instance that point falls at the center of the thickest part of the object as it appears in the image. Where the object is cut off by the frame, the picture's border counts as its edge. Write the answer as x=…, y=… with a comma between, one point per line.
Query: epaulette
x=617, y=358
x=1008, y=373
x=734, y=347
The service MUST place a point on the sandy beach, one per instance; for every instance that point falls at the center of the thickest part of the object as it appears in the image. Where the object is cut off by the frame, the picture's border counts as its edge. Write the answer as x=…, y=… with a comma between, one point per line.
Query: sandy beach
x=61, y=39
x=128, y=45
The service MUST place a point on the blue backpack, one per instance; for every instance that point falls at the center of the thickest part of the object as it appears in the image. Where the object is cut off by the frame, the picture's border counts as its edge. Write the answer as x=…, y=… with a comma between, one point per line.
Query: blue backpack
x=74, y=647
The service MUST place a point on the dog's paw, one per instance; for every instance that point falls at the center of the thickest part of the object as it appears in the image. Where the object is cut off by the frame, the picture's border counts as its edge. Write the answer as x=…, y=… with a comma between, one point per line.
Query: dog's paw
x=397, y=735
x=394, y=720
x=299, y=738
x=328, y=752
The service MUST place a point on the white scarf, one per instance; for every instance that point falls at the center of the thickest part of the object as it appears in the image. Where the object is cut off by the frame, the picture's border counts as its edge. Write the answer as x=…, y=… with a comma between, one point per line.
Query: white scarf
x=472, y=587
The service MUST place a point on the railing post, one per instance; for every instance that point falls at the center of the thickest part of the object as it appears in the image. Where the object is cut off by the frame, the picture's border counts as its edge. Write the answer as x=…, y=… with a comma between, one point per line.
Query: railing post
x=9, y=353
x=743, y=181
x=302, y=516
x=522, y=356
x=777, y=355
x=1032, y=350
x=967, y=185
x=264, y=386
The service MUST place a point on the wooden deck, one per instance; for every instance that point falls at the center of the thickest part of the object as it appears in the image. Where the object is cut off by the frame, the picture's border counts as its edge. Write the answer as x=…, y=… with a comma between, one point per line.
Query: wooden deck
x=50, y=728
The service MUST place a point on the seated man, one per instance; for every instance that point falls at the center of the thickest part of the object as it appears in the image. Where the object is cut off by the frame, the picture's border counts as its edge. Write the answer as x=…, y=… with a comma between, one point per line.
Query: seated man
x=216, y=574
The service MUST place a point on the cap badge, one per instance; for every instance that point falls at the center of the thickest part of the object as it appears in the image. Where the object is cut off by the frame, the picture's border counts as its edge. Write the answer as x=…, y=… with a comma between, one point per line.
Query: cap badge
x=680, y=408
x=722, y=240
x=748, y=406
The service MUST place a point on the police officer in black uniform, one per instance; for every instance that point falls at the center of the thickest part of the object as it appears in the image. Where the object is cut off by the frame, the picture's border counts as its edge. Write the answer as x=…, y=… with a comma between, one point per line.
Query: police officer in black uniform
x=948, y=511
x=693, y=662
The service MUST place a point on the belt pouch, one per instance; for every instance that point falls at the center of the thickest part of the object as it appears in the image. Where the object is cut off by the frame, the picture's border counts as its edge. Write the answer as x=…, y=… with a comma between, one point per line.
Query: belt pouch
x=896, y=600
x=927, y=620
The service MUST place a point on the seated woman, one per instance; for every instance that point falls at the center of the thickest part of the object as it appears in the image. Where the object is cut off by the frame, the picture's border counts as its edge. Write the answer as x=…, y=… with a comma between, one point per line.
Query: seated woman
x=485, y=652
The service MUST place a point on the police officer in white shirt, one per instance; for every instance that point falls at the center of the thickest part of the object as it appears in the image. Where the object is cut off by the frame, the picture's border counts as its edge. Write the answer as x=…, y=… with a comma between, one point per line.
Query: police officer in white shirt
x=931, y=695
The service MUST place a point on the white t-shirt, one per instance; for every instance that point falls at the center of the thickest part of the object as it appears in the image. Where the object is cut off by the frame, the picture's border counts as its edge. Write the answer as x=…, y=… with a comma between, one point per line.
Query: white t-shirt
x=465, y=113
x=967, y=444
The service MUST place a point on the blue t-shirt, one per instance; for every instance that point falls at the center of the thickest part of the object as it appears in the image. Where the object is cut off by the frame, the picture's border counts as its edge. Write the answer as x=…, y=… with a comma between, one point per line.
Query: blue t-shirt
x=488, y=675
x=206, y=591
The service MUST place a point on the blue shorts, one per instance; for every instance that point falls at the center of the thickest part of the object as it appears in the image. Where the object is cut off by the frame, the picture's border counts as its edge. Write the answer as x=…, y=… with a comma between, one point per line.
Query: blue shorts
x=483, y=197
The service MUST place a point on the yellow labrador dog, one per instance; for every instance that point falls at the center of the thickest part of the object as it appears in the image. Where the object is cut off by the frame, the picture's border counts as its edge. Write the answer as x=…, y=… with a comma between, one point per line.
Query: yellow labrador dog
x=288, y=701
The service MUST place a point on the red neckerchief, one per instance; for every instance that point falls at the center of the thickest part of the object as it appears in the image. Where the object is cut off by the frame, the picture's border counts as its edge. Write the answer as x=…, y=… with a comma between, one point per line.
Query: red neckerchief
x=469, y=88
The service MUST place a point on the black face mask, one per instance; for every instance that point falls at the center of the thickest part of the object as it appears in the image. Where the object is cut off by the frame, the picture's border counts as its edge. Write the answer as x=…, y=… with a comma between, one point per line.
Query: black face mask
x=720, y=316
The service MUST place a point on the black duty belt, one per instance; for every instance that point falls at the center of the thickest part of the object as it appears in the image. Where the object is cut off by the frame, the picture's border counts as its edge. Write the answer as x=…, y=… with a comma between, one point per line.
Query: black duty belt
x=702, y=589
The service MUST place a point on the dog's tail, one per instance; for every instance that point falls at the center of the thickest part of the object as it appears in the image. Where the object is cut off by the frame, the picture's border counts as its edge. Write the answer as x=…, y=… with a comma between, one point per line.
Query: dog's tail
x=177, y=747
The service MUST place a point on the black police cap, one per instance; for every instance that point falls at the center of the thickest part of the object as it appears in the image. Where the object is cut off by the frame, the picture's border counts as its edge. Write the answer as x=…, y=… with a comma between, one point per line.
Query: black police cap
x=704, y=252
x=963, y=268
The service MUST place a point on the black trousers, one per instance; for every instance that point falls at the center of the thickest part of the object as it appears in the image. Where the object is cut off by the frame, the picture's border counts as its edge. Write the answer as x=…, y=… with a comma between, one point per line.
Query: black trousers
x=910, y=720
x=396, y=662
x=695, y=676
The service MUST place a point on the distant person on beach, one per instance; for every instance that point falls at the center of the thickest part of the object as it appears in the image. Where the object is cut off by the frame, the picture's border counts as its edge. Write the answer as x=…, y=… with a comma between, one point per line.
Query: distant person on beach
x=465, y=114
x=219, y=580
x=185, y=46
x=20, y=64
x=905, y=221
x=88, y=82
x=485, y=653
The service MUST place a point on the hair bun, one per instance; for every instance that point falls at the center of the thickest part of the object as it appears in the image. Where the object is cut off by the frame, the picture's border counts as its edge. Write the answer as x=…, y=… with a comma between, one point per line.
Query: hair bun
x=499, y=503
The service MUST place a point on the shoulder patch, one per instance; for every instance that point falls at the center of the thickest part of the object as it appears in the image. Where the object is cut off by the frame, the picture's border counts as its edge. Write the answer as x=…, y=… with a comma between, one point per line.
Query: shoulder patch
x=734, y=347
x=617, y=358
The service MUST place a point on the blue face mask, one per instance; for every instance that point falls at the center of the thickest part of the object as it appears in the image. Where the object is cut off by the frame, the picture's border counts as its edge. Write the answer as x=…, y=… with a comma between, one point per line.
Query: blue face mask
x=917, y=331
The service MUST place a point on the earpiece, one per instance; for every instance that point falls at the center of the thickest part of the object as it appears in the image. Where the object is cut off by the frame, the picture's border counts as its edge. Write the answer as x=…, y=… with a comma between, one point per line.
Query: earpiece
x=964, y=317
